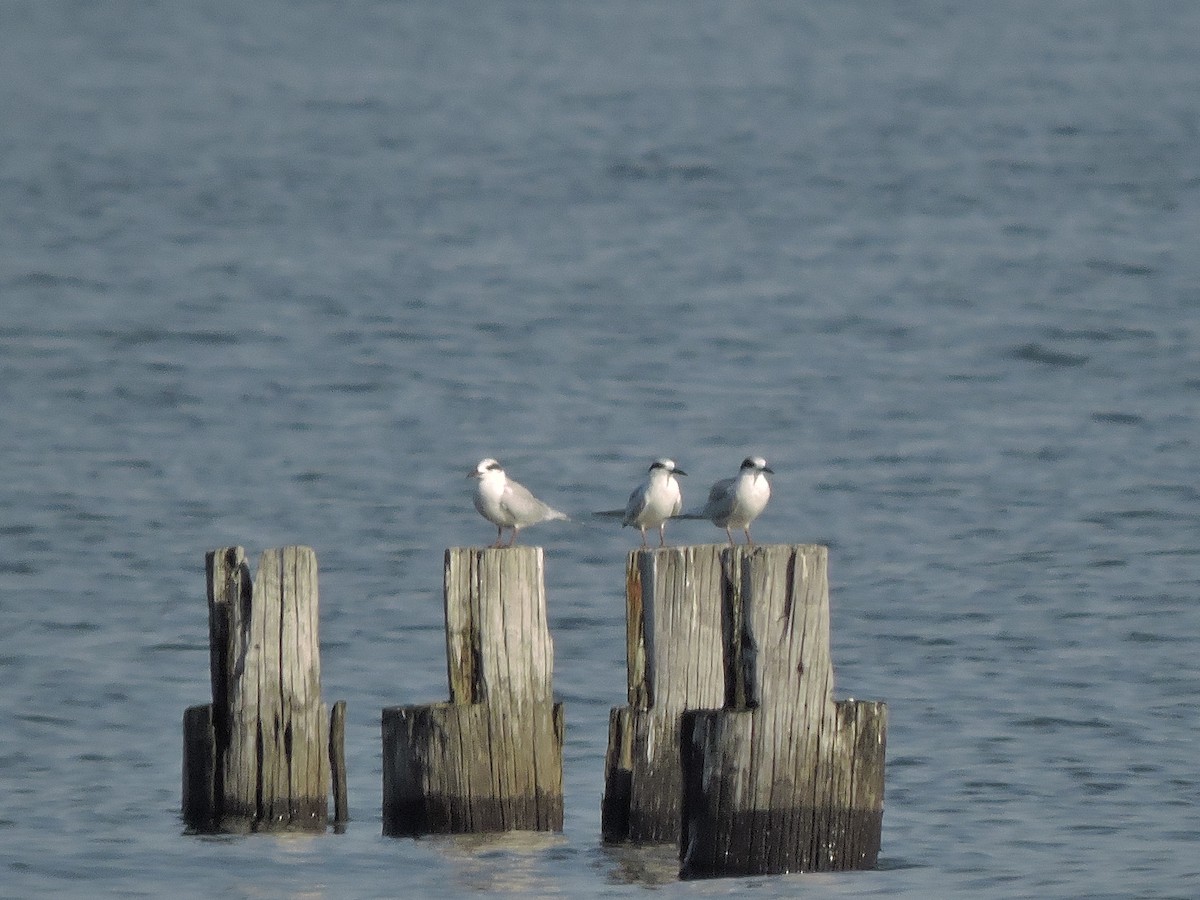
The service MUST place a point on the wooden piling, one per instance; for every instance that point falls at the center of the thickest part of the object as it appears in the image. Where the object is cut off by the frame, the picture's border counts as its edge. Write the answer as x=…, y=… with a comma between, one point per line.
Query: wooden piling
x=674, y=648
x=491, y=758
x=337, y=763
x=792, y=781
x=260, y=756
x=767, y=773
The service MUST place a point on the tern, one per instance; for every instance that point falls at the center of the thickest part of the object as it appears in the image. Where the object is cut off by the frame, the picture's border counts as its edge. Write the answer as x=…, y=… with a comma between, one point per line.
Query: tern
x=507, y=503
x=736, y=502
x=653, y=501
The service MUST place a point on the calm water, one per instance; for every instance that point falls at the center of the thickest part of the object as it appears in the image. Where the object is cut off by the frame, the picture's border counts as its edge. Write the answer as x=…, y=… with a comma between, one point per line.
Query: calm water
x=282, y=274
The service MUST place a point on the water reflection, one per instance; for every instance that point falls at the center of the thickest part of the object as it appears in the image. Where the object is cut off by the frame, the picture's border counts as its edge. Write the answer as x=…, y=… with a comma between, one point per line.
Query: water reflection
x=513, y=862
x=648, y=866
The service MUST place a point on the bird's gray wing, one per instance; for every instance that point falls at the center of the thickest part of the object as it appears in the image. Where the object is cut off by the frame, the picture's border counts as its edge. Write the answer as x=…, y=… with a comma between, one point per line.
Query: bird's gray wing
x=720, y=496
x=526, y=508
x=718, y=499
x=521, y=504
x=635, y=505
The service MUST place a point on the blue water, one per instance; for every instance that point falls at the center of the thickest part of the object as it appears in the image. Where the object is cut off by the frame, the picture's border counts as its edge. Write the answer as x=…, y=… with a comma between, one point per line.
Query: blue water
x=279, y=273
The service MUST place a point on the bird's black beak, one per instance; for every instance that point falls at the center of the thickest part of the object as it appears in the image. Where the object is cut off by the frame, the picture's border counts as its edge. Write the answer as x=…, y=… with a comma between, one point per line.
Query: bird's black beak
x=679, y=472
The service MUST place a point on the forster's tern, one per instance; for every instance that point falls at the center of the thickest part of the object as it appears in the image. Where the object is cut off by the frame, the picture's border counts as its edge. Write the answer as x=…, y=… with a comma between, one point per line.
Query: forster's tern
x=736, y=502
x=654, y=501
x=506, y=503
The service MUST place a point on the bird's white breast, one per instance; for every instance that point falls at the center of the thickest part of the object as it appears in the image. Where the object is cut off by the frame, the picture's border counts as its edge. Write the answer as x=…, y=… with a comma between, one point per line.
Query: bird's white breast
x=750, y=496
x=488, y=493
x=655, y=502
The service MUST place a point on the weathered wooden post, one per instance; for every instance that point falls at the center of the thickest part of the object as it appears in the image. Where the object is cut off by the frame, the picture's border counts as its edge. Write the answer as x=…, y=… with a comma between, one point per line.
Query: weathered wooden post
x=259, y=757
x=674, y=648
x=491, y=758
x=790, y=781
x=774, y=775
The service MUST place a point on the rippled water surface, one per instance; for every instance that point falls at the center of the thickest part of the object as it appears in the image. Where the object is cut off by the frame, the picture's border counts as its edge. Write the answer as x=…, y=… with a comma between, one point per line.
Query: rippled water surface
x=280, y=273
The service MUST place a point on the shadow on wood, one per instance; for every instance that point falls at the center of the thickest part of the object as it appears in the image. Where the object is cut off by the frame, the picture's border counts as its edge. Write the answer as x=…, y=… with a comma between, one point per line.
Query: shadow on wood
x=732, y=743
x=491, y=758
x=260, y=756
